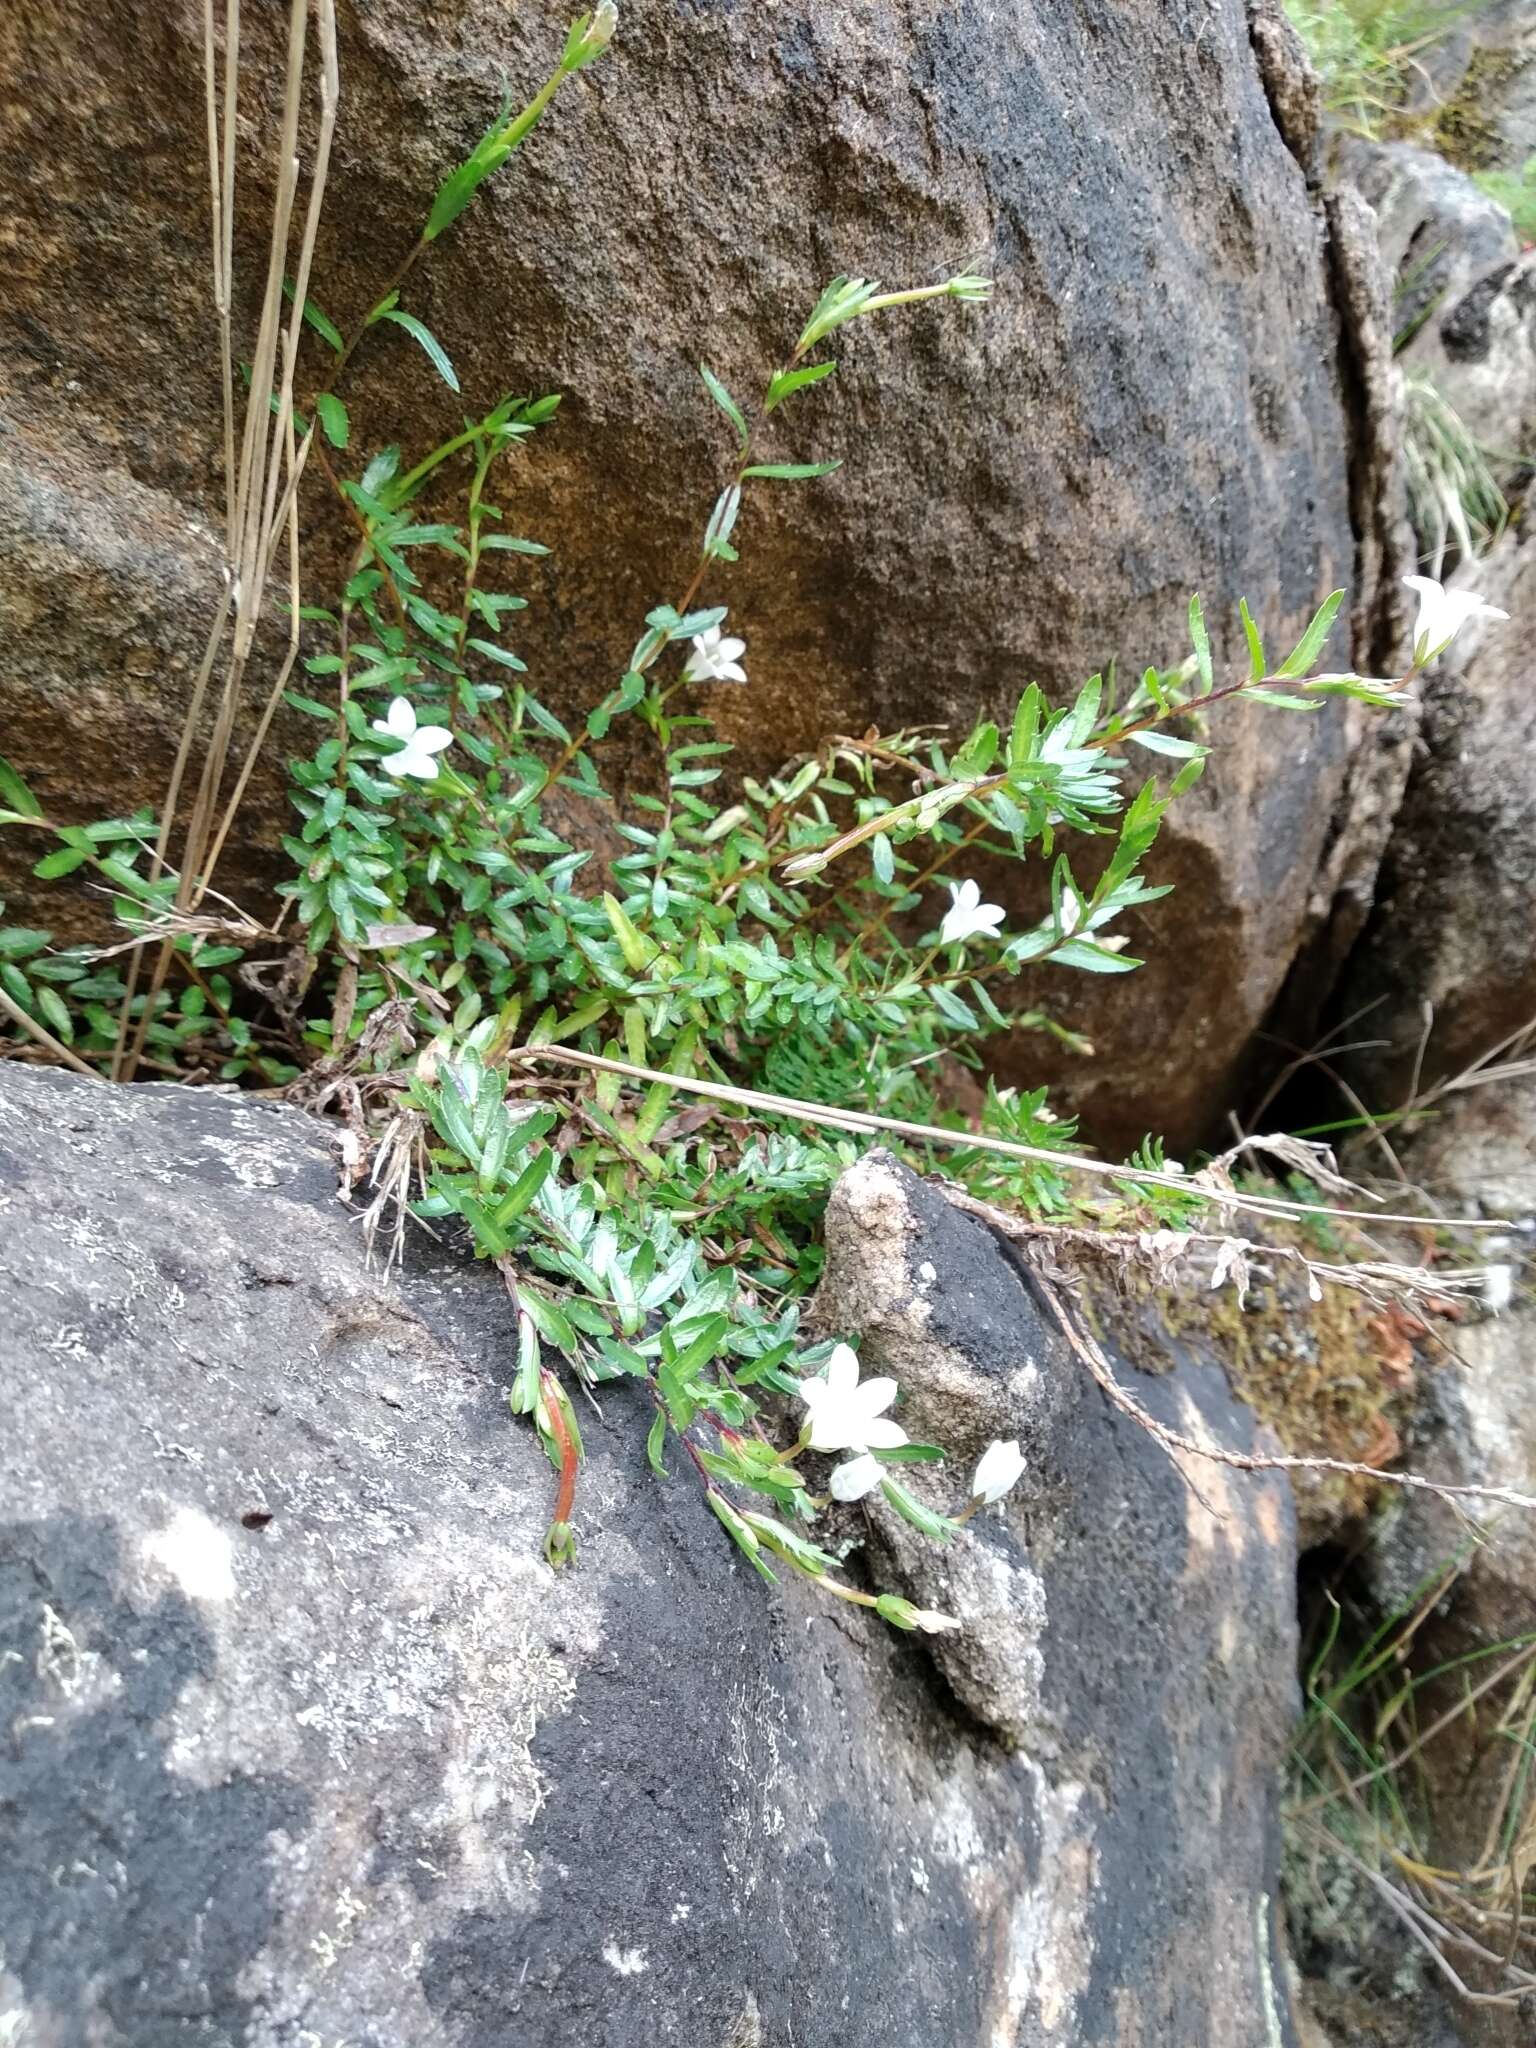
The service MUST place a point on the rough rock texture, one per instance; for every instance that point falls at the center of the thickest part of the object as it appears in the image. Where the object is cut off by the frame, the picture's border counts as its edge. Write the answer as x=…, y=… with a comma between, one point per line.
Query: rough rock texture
x=1456, y=897
x=1156, y=403
x=1477, y=85
x=1439, y=230
x=1476, y=1427
x=304, y=1743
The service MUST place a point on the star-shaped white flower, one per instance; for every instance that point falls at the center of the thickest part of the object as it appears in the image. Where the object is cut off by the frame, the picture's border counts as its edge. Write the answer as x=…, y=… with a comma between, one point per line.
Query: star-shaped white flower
x=420, y=742
x=716, y=658
x=846, y=1415
x=968, y=915
x=1442, y=614
x=997, y=1472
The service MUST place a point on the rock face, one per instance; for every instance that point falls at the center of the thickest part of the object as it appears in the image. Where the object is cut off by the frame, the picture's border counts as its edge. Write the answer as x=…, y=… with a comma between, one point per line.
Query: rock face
x=1456, y=896
x=306, y=1743
x=1158, y=401
x=1476, y=1427
x=1439, y=230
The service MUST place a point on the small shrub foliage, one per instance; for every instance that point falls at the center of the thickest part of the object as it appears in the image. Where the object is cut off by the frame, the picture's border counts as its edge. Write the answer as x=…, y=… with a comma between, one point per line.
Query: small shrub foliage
x=451, y=955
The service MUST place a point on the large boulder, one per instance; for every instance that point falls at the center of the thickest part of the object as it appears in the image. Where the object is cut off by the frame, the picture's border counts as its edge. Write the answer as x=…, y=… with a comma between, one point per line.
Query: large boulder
x=306, y=1743
x=1456, y=897
x=1162, y=398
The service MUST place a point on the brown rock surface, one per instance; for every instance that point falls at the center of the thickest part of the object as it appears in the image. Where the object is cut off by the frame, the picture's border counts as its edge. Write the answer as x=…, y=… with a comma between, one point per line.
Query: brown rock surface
x=1153, y=404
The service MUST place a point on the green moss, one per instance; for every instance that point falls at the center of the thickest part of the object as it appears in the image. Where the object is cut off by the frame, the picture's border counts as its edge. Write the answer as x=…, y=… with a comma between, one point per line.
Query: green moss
x=1465, y=131
x=1320, y=1374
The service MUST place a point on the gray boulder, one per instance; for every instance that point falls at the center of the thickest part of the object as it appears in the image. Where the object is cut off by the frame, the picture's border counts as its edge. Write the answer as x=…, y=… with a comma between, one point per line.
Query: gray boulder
x=305, y=1744
x=1163, y=398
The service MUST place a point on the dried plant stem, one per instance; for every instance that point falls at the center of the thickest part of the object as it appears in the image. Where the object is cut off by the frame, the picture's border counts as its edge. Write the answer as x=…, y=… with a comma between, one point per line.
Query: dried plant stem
x=969, y=1141
x=1086, y=1348
x=45, y=1037
x=260, y=510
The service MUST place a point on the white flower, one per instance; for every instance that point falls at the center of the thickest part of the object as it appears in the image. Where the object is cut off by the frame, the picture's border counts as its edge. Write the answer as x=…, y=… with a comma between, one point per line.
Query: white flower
x=968, y=915
x=997, y=1472
x=859, y=1476
x=421, y=742
x=1071, y=911
x=716, y=658
x=1498, y=1289
x=846, y=1416
x=1442, y=614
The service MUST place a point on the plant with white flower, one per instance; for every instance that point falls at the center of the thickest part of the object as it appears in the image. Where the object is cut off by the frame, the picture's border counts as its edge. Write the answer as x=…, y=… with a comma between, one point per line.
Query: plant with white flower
x=534, y=1040
x=716, y=658
x=968, y=917
x=419, y=744
x=1441, y=615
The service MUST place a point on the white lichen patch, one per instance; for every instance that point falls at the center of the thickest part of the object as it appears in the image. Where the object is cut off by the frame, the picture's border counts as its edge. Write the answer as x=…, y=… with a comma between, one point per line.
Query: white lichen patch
x=1050, y=1943
x=625, y=1962
x=196, y=1553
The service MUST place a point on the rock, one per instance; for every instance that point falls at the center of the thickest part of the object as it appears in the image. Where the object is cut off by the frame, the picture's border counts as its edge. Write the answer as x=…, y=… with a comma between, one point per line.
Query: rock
x=1439, y=231
x=1158, y=401
x=1457, y=890
x=1475, y=1427
x=1476, y=86
x=305, y=1742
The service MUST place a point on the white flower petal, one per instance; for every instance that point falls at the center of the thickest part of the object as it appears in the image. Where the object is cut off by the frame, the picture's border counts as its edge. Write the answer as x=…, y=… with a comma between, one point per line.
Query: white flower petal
x=400, y=719
x=998, y=1470
x=858, y=1477
x=841, y=1371
x=431, y=739
x=883, y=1435
x=874, y=1396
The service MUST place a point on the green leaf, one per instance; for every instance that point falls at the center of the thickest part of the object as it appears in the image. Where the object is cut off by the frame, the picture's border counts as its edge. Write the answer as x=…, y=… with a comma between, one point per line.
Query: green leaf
x=787, y=382
x=1310, y=645
x=843, y=300
x=16, y=793
x=1026, y=726
x=52, y=1006
x=1255, y=644
x=882, y=856
x=524, y=1188
x=638, y=950
x=1083, y=953
x=975, y=758
x=313, y=317
x=64, y=862
x=1202, y=641
x=949, y=1005
x=791, y=472
x=333, y=419
x=656, y=1443
x=1284, y=701
x=726, y=403
x=1164, y=743
x=432, y=347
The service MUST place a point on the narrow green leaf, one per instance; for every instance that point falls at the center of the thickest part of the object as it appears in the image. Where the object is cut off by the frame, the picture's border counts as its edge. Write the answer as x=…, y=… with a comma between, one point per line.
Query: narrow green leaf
x=726, y=403
x=1310, y=645
x=787, y=382
x=1202, y=641
x=791, y=472
x=1255, y=644
x=656, y=1443
x=315, y=317
x=1164, y=743
x=432, y=347
x=16, y=793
